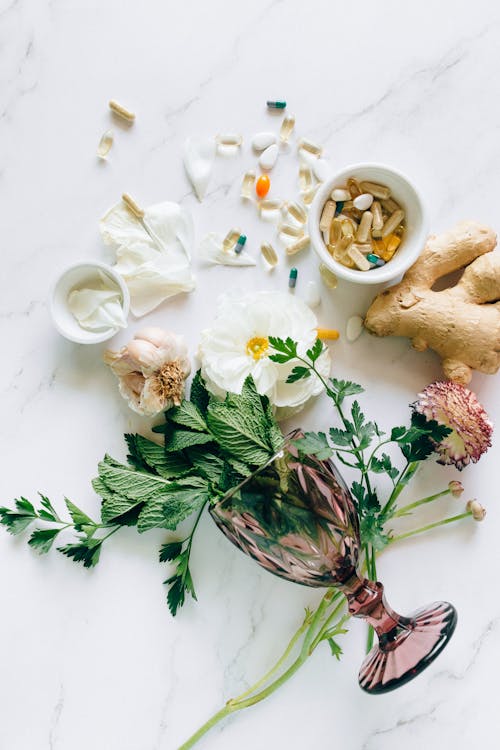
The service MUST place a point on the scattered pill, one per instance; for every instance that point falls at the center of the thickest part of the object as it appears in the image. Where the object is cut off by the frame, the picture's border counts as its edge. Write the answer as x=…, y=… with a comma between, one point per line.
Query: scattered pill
x=327, y=215
x=292, y=279
x=308, y=195
x=305, y=177
x=286, y=128
x=267, y=159
x=121, y=111
x=230, y=239
x=298, y=213
x=271, y=204
x=378, y=191
x=310, y=146
x=240, y=244
x=375, y=260
x=313, y=294
x=321, y=170
x=247, y=185
x=262, y=186
x=328, y=333
x=276, y=104
x=296, y=247
x=261, y=141
x=363, y=202
x=269, y=254
x=291, y=230
x=354, y=328
x=105, y=144
x=229, y=139
x=328, y=277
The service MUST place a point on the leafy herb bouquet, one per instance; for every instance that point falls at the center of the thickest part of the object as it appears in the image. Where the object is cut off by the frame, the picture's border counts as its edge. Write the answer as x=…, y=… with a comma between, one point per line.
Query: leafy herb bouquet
x=209, y=447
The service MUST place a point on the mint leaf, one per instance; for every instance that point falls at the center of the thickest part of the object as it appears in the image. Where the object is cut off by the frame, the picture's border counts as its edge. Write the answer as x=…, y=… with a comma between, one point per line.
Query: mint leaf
x=148, y=455
x=199, y=395
x=42, y=540
x=179, y=440
x=187, y=415
x=174, y=506
x=130, y=483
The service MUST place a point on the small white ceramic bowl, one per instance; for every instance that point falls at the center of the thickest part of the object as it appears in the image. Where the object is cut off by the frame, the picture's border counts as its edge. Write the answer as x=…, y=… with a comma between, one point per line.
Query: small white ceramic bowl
x=404, y=192
x=80, y=274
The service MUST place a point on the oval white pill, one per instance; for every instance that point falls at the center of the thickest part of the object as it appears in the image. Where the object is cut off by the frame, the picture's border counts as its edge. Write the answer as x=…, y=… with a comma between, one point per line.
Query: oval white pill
x=363, y=201
x=261, y=141
x=354, y=328
x=267, y=159
x=313, y=295
x=321, y=169
x=340, y=194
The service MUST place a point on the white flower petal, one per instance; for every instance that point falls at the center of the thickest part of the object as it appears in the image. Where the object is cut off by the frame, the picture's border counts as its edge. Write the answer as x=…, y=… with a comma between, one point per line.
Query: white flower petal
x=199, y=157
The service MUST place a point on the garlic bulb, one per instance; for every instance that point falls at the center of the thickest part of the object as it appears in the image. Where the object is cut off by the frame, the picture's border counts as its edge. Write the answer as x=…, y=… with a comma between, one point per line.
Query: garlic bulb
x=151, y=370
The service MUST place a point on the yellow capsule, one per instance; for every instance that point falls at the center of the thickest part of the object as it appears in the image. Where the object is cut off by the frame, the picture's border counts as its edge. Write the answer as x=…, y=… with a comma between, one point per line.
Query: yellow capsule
x=296, y=247
x=353, y=187
x=347, y=228
x=230, y=239
x=298, y=213
x=308, y=195
x=290, y=230
x=327, y=215
x=269, y=254
x=363, y=232
x=121, y=111
x=105, y=144
x=247, y=185
x=335, y=232
x=286, y=128
x=305, y=177
x=378, y=191
x=391, y=244
x=328, y=333
x=328, y=277
x=270, y=205
x=392, y=222
x=311, y=147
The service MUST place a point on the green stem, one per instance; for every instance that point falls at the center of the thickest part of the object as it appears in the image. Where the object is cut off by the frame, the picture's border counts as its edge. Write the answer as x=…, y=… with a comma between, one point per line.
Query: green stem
x=404, y=478
x=429, y=526
x=373, y=577
x=403, y=511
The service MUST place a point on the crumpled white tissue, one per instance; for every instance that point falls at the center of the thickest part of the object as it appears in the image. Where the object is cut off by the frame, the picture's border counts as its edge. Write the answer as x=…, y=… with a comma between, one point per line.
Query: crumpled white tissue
x=152, y=274
x=199, y=157
x=99, y=306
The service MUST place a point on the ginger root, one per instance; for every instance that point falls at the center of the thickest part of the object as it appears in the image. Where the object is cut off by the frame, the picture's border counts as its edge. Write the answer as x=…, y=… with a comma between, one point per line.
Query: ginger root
x=461, y=323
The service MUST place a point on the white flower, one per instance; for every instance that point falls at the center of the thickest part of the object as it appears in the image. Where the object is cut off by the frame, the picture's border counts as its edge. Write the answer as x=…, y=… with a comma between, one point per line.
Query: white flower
x=151, y=370
x=237, y=345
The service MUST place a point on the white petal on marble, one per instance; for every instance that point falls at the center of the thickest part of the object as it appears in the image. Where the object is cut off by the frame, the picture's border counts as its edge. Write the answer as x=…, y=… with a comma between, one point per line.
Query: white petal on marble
x=211, y=251
x=199, y=157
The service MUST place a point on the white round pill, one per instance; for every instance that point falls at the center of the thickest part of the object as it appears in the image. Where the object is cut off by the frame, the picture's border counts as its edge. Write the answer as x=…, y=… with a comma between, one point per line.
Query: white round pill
x=363, y=201
x=267, y=159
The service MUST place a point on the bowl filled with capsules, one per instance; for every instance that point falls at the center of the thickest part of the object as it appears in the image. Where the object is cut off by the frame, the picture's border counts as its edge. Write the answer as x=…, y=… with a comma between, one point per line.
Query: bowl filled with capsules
x=367, y=223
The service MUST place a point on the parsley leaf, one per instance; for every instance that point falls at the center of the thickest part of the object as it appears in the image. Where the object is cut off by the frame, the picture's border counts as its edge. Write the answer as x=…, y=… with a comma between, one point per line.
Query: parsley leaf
x=42, y=540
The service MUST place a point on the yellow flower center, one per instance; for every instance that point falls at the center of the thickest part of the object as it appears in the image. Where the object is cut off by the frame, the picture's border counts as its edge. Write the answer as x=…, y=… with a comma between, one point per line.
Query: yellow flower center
x=257, y=347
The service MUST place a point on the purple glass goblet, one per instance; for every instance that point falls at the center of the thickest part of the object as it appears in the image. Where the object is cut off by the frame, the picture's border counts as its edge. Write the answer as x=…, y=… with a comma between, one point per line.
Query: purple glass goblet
x=295, y=516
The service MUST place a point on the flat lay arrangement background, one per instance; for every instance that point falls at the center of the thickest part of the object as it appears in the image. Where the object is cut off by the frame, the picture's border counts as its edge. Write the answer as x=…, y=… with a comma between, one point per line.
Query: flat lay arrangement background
x=94, y=658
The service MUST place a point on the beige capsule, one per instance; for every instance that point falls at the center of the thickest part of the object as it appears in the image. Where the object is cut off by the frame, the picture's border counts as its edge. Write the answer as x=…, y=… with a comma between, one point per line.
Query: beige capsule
x=291, y=230
x=378, y=219
x=270, y=204
x=305, y=177
x=310, y=146
x=269, y=254
x=247, y=185
x=105, y=144
x=389, y=205
x=392, y=222
x=297, y=211
x=121, y=111
x=335, y=232
x=328, y=277
x=229, y=139
x=363, y=232
x=340, y=194
x=327, y=215
x=353, y=187
x=378, y=191
x=308, y=195
x=296, y=247
x=358, y=258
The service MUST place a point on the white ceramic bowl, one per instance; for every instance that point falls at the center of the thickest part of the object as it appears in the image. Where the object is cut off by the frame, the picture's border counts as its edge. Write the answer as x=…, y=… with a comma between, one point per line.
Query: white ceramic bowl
x=404, y=192
x=80, y=274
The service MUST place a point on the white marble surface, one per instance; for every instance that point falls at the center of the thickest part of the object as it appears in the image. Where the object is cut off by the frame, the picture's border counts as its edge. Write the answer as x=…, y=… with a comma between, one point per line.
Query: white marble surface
x=93, y=659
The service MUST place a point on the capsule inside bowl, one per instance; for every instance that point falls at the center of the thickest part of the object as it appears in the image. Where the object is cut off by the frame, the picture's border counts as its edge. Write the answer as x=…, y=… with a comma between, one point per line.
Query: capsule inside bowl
x=362, y=224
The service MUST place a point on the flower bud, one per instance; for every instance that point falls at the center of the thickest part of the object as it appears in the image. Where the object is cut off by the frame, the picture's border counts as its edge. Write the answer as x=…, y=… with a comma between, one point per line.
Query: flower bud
x=476, y=510
x=456, y=488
